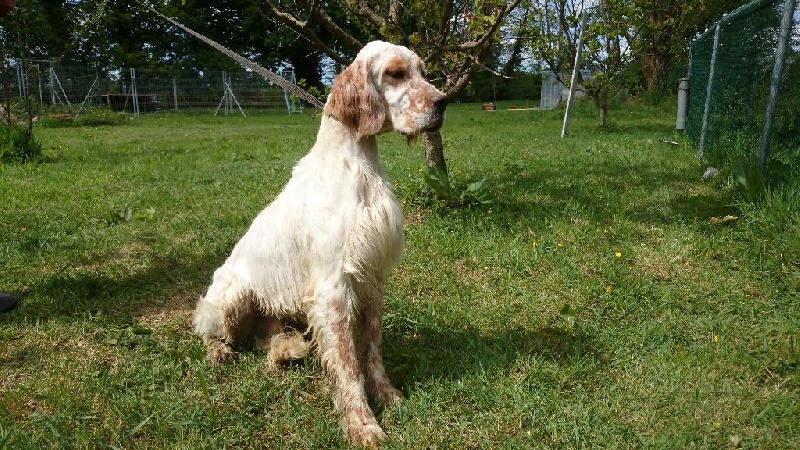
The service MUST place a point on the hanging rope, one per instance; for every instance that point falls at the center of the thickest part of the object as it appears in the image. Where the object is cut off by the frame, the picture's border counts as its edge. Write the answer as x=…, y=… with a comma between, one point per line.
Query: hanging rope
x=268, y=75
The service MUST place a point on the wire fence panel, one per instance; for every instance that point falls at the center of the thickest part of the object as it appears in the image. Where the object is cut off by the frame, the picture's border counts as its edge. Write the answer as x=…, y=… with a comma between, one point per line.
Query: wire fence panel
x=731, y=71
x=62, y=88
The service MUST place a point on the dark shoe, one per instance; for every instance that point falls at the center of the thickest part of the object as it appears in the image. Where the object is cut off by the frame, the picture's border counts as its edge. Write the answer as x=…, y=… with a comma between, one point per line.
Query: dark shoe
x=7, y=302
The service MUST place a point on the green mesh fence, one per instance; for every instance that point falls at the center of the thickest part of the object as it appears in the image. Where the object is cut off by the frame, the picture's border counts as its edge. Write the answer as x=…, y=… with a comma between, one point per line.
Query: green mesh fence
x=731, y=75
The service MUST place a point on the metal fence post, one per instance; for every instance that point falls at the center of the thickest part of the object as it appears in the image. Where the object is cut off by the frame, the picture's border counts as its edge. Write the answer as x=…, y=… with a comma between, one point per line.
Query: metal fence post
x=134, y=93
x=52, y=84
x=710, y=87
x=683, y=103
x=175, y=94
x=21, y=77
x=225, y=101
x=775, y=83
x=575, y=70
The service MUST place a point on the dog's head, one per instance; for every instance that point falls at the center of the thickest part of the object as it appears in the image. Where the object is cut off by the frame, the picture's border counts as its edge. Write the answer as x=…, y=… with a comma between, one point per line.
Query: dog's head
x=385, y=89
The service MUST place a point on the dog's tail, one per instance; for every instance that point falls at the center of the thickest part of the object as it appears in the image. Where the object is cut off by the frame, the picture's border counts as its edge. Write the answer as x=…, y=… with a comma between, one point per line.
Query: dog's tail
x=287, y=346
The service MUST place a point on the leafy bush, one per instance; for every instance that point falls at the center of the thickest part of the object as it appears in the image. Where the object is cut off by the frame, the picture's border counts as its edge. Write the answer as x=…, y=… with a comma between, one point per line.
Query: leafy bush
x=18, y=145
x=92, y=116
x=99, y=116
x=473, y=194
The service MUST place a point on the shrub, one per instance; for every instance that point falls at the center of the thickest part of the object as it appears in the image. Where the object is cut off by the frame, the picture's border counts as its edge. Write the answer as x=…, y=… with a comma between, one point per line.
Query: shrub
x=99, y=116
x=89, y=117
x=473, y=194
x=17, y=145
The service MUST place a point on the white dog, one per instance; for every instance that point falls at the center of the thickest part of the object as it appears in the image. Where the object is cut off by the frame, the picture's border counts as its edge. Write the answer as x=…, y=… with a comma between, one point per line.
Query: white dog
x=318, y=256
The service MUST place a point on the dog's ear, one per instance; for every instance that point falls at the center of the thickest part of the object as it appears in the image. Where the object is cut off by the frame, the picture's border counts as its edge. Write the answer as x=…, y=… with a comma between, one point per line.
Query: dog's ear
x=355, y=101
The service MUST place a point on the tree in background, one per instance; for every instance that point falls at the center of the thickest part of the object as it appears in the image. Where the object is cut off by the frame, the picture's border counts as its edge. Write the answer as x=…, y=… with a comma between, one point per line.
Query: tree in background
x=452, y=37
x=665, y=29
x=553, y=36
x=17, y=144
x=609, y=52
x=648, y=35
x=110, y=34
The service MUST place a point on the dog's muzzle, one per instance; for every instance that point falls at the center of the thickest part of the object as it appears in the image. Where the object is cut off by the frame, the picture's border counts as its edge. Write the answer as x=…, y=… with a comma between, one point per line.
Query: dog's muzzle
x=437, y=115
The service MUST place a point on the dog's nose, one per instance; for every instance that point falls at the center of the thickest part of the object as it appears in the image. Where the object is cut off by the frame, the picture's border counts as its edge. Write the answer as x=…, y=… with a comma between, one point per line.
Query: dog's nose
x=440, y=102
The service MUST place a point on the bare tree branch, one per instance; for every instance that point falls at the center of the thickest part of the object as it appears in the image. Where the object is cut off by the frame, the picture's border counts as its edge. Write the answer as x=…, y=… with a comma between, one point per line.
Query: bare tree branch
x=489, y=34
x=447, y=14
x=339, y=34
x=395, y=9
x=516, y=48
x=301, y=27
x=369, y=14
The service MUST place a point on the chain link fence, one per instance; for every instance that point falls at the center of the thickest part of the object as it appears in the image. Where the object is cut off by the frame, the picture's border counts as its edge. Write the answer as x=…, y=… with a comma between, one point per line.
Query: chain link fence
x=69, y=89
x=744, y=104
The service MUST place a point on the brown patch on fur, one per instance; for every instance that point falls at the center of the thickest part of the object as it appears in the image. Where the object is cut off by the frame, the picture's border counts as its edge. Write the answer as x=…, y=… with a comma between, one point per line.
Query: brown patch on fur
x=345, y=352
x=395, y=71
x=240, y=320
x=355, y=102
x=377, y=384
x=425, y=93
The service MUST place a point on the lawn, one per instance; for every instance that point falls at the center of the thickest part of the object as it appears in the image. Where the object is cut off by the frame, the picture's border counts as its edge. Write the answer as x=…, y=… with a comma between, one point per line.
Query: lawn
x=602, y=300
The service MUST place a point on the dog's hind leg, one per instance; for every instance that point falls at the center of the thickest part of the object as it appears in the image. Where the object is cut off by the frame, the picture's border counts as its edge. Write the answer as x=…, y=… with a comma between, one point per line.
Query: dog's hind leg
x=226, y=316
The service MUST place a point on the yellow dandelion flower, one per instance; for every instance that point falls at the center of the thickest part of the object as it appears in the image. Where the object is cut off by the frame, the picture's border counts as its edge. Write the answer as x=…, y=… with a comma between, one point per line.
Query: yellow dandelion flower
x=23, y=229
x=560, y=244
x=716, y=339
x=618, y=255
x=609, y=289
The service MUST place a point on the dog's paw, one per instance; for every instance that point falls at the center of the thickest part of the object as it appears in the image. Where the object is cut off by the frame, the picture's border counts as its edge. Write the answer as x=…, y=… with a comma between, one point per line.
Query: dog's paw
x=366, y=435
x=387, y=395
x=219, y=352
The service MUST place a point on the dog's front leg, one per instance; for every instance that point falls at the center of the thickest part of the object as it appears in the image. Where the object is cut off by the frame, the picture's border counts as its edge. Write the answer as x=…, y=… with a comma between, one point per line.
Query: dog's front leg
x=377, y=383
x=332, y=320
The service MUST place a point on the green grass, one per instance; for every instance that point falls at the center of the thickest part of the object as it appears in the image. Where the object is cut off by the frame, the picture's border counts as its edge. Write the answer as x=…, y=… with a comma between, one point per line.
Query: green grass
x=595, y=303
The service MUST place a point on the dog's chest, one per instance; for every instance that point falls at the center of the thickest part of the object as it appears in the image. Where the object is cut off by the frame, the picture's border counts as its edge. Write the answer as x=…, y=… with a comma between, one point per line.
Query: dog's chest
x=376, y=237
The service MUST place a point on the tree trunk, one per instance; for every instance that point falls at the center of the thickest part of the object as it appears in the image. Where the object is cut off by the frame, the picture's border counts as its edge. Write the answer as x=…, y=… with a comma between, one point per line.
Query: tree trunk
x=23, y=50
x=434, y=150
x=652, y=66
x=603, y=115
x=601, y=101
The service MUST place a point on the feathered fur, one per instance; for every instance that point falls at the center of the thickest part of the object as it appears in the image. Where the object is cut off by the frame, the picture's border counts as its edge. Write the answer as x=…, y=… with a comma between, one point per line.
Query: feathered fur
x=317, y=257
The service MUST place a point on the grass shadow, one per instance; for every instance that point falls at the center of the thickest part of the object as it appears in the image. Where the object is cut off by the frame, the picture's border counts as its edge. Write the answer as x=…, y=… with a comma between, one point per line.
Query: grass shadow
x=171, y=281
x=417, y=355
x=633, y=191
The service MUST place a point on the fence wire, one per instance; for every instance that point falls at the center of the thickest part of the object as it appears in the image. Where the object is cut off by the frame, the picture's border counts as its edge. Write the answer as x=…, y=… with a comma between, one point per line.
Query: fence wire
x=731, y=70
x=63, y=88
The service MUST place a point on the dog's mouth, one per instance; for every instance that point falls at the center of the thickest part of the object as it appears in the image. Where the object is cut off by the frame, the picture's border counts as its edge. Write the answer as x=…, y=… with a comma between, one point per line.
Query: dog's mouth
x=436, y=123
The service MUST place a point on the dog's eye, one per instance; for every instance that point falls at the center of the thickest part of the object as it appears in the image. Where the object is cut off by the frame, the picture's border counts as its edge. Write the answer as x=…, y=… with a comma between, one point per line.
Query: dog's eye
x=397, y=74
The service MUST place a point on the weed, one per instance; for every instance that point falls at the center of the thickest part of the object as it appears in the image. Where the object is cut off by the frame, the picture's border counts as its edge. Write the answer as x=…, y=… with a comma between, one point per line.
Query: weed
x=476, y=193
x=17, y=145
